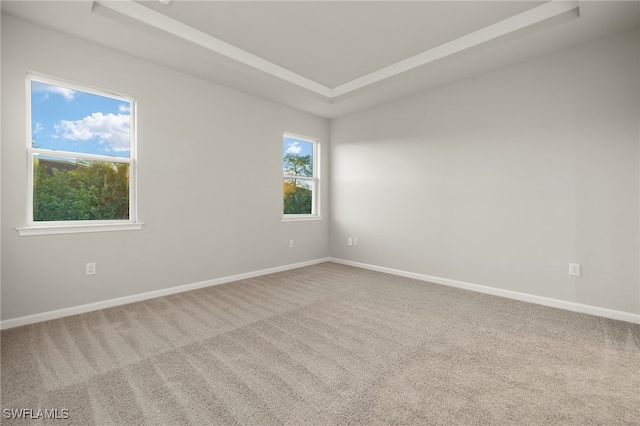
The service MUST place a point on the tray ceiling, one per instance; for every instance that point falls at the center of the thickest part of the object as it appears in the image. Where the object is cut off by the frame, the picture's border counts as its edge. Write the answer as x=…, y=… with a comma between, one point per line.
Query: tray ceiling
x=332, y=57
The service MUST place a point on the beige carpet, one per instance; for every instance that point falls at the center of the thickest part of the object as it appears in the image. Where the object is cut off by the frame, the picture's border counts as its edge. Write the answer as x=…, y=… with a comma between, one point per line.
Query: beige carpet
x=326, y=344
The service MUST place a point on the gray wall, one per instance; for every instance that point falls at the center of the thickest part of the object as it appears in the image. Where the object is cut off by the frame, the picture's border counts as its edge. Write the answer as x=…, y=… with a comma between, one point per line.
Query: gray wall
x=503, y=179
x=209, y=182
x=500, y=180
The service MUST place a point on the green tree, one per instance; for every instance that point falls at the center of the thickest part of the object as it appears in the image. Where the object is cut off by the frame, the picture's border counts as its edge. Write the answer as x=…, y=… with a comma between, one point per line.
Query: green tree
x=86, y=190
x=298, y=196
x=298, y=165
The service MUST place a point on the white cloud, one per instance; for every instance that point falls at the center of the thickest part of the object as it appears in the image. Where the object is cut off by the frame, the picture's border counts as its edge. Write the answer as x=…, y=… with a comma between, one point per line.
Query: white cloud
x=68, y=94
x=124, y=108
x=109, y=129
x=38, y=128
x=294, y=148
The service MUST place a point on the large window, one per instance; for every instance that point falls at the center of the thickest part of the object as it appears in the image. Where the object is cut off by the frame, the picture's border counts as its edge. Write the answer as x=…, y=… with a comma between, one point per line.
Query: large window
x=81, y=153
x=300, y=177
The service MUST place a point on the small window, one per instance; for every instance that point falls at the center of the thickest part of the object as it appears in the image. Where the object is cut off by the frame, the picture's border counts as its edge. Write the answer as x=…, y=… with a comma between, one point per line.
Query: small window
x=81, y=152
x=300, y=177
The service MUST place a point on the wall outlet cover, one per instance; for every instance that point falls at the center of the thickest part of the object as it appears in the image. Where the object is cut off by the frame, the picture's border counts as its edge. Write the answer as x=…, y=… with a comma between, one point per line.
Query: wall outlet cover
x=90, y=268
x=574, y=269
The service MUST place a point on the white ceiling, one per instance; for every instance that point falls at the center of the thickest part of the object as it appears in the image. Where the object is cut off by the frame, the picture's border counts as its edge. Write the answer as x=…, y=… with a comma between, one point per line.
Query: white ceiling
x=334, y=43
x=333, y=57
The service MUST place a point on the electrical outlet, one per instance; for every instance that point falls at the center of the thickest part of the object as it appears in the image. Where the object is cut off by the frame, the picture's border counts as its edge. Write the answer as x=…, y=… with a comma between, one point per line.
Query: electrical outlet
x=574, y=269
x=355, y=241
x=290, y=243
x=349, y=241
x=90, y=268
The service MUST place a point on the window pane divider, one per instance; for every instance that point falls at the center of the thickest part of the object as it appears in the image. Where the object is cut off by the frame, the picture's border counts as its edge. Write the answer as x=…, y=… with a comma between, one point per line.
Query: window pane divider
x=67, y=154
x=298, y=177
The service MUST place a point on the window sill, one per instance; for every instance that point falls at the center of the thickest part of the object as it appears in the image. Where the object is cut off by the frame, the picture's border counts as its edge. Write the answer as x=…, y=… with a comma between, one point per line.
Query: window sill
x=301, y=218
x=77, y=229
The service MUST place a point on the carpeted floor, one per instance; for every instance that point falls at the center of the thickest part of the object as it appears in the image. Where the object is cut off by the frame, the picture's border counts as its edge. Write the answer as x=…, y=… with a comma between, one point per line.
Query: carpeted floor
x=326, y=344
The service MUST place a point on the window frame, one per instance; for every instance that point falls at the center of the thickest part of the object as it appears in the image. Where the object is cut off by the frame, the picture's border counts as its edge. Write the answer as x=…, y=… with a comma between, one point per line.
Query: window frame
x=78, y=226
x=315, y=180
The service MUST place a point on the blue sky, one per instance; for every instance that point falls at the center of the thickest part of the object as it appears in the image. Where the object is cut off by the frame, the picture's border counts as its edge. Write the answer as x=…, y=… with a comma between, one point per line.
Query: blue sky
x=75, y=121
x=296, y=146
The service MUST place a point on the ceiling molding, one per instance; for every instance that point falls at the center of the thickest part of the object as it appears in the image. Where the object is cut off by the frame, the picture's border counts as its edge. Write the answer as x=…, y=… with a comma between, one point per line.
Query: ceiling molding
x=502, y=28
x=157, y=20
x=511, y=25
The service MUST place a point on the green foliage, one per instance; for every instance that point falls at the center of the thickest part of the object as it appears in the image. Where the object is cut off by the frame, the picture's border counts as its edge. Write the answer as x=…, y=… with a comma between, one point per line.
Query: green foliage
x=299, y=165
x=92, y=190
x=298, y=196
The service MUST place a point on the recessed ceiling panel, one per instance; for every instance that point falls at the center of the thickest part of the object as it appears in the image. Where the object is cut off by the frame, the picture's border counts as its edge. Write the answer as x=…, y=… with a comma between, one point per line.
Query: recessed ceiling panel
x=333, y=43
x=330, y=42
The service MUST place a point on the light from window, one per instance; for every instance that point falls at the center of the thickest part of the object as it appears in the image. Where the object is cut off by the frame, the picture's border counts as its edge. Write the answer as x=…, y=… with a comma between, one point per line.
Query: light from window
x=81, y=152
x=300, y=177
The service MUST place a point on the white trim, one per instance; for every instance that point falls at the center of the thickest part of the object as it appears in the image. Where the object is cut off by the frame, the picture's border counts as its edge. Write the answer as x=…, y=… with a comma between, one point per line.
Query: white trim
x=77, y=228
x=300, y=137
x=29, y=136
x=298, y=177
x=71, y=227
x=524, y=297
x=78, y=87
x=75, y=310
x=41, y=152
x=509, y=25
x=502, y=28
x=300, y=217
x=316, y=212
x=157, y=20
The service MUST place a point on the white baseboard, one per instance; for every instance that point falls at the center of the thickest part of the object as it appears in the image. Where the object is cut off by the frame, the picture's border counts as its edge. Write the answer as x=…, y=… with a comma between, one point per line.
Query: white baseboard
x=74, y=310
x=540, y=300
x=546, y=301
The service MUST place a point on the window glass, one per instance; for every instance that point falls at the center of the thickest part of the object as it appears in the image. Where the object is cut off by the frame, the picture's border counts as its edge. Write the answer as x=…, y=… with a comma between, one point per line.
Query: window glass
x=80, y=149
x=71, y=189
x=74, y=121
x=299, y=176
